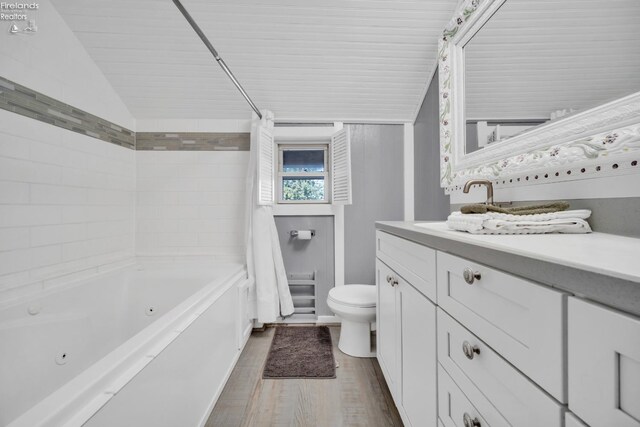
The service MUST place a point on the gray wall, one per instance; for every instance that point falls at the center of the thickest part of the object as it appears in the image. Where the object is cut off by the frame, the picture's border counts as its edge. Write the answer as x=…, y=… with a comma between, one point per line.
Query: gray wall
x=306, y=256
x=431, y=204
x=378, y=178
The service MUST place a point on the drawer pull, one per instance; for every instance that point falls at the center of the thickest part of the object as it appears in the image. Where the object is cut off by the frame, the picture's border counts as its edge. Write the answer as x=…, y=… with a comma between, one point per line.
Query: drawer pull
x=471, y=276
x=470, y=350
x=392, y=280
x=470, y=422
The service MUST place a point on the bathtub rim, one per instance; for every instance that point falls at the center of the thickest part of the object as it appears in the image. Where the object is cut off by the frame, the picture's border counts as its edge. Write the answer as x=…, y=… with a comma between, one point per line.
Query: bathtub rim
x=76, y=401
x=75, y=279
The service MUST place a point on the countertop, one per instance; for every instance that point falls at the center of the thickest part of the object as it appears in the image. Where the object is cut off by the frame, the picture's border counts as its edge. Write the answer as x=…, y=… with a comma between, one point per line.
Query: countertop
x=602, y=267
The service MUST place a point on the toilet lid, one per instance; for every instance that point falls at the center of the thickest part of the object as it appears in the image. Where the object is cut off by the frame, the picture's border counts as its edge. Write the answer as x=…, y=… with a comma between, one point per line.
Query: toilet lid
x=354, y=295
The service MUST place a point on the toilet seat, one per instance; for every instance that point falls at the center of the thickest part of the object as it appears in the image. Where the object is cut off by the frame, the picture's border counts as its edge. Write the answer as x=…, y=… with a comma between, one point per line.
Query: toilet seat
x=360, y=296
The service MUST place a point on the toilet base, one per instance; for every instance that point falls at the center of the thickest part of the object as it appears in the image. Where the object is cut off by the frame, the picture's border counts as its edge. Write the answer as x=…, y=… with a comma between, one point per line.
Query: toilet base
x=355, y=339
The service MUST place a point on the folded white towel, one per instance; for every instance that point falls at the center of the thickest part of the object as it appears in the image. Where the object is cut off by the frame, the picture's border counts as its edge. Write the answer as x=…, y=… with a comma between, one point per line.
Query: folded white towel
x=499, y=223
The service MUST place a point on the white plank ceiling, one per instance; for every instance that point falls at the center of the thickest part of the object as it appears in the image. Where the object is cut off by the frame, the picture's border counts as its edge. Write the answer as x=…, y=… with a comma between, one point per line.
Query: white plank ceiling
x=535, y=57
x=349, y=60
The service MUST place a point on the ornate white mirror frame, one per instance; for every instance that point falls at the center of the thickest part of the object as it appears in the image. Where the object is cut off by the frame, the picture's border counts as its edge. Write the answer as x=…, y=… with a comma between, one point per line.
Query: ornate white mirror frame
x=601, y=141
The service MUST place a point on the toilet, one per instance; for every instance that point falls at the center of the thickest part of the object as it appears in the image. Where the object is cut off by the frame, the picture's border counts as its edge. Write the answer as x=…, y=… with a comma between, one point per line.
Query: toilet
x=356, y=306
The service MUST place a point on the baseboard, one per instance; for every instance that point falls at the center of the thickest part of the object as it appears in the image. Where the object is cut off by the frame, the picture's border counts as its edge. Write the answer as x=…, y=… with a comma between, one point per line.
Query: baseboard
x=328, y=320
x=257, y=325
x=320, y=320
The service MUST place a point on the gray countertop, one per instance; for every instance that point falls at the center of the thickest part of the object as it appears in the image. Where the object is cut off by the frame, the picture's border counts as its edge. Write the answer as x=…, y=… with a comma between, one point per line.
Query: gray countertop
x=601, y=267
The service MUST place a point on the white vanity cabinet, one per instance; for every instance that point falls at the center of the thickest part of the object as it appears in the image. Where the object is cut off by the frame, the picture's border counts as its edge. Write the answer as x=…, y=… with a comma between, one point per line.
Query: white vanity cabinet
x=406, y=333
x=475, y=346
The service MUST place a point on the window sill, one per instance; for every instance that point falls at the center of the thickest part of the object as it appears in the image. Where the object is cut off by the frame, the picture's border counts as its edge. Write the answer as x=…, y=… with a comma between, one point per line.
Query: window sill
x=295, y=209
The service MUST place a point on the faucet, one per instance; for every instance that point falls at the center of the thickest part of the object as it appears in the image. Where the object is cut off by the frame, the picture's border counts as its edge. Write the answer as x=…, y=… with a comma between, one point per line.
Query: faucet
x=484, y=182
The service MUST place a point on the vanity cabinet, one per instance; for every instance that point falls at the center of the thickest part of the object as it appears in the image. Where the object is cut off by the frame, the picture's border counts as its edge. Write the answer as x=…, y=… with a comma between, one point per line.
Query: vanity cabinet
x=472, y=345
x=406, y=335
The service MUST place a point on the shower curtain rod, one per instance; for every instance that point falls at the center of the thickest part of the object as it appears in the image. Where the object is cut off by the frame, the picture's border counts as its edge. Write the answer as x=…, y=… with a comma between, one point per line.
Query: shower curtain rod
x=217, y=57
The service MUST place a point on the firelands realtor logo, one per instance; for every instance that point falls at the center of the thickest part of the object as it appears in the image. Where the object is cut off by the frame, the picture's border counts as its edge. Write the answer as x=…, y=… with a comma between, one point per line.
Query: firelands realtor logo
x=20, y=15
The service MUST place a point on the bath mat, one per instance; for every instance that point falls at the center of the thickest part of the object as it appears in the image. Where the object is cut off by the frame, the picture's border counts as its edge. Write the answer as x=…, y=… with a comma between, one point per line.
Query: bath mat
x=300, y=352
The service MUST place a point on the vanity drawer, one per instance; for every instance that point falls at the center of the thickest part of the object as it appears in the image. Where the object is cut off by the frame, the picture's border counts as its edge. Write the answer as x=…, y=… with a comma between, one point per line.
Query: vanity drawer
x=604, y=365
x=414, y=262
x=519, y=319
x=520, y=401
x=454, y=405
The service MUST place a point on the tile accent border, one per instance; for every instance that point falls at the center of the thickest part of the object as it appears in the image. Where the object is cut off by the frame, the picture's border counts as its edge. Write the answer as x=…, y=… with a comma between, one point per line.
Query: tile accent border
x=192, y=141
x=26, y=102
x=29, y=103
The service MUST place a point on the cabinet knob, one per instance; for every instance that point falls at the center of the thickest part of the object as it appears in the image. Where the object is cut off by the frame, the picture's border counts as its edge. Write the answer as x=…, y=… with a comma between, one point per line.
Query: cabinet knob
x=470, y=422
x=470, y=276
x=392, y=280
x=470, y=350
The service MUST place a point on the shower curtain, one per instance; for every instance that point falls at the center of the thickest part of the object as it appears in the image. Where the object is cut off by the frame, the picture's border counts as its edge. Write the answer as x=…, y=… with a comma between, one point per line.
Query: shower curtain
x=269, y=296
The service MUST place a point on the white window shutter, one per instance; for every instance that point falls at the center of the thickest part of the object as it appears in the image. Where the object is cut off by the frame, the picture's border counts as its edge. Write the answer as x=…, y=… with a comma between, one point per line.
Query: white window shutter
x=265, y=165
x=341, y=168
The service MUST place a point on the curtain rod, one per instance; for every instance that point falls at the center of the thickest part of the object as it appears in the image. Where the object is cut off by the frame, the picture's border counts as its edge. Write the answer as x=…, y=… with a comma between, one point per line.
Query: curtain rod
x=217, y=57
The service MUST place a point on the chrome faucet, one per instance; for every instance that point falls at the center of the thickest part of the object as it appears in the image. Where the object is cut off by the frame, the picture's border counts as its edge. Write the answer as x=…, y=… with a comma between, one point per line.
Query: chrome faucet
x=484, y=182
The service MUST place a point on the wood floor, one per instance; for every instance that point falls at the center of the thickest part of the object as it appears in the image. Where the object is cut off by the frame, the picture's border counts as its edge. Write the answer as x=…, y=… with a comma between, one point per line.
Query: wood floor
x=357, y=397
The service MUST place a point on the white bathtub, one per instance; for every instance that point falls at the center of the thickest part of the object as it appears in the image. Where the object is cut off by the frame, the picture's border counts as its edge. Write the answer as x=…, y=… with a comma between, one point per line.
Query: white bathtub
x=148, y=345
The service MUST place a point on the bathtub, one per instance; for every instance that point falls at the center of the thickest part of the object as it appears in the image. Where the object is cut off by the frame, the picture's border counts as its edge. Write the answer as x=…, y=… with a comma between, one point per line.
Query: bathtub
x=146, y=345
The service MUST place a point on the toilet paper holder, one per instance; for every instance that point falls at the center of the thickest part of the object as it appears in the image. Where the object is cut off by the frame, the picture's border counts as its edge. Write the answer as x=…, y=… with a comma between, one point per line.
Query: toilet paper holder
x=294, y=233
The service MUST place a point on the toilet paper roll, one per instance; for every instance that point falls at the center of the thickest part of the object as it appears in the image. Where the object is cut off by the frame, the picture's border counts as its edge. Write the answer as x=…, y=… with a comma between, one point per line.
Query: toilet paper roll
x=304, y=234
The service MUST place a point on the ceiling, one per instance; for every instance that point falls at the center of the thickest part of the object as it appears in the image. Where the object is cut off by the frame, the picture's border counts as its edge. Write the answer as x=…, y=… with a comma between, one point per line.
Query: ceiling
x=536, y=57
x=335, y=60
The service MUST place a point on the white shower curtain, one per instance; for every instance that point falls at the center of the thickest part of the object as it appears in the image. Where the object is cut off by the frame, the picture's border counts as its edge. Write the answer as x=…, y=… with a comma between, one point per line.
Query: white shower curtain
x=269, y=295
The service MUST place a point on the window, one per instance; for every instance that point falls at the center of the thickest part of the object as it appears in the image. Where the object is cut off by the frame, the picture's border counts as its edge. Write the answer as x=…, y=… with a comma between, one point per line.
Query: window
x=303, y=174
x=314, y=172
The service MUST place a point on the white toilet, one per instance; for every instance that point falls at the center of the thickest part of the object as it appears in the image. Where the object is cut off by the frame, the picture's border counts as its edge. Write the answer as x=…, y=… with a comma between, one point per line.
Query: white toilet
x=356, y=306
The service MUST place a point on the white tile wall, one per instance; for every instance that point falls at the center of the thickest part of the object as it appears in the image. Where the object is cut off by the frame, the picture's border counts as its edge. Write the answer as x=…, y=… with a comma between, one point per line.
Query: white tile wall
x=67, y=203
x=191, y=203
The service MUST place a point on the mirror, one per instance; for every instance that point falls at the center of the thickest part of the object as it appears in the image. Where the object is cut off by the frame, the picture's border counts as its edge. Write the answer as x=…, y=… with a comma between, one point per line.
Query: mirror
x=535, y=62
x=536, y=92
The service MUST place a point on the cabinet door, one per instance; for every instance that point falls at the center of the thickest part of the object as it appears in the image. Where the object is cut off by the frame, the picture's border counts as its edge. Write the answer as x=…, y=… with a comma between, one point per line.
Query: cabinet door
x=386, y=340
x=418, y=356
x=604, y=365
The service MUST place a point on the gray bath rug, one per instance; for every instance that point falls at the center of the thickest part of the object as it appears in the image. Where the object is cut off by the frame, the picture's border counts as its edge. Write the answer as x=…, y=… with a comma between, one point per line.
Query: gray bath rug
x=300, y=352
